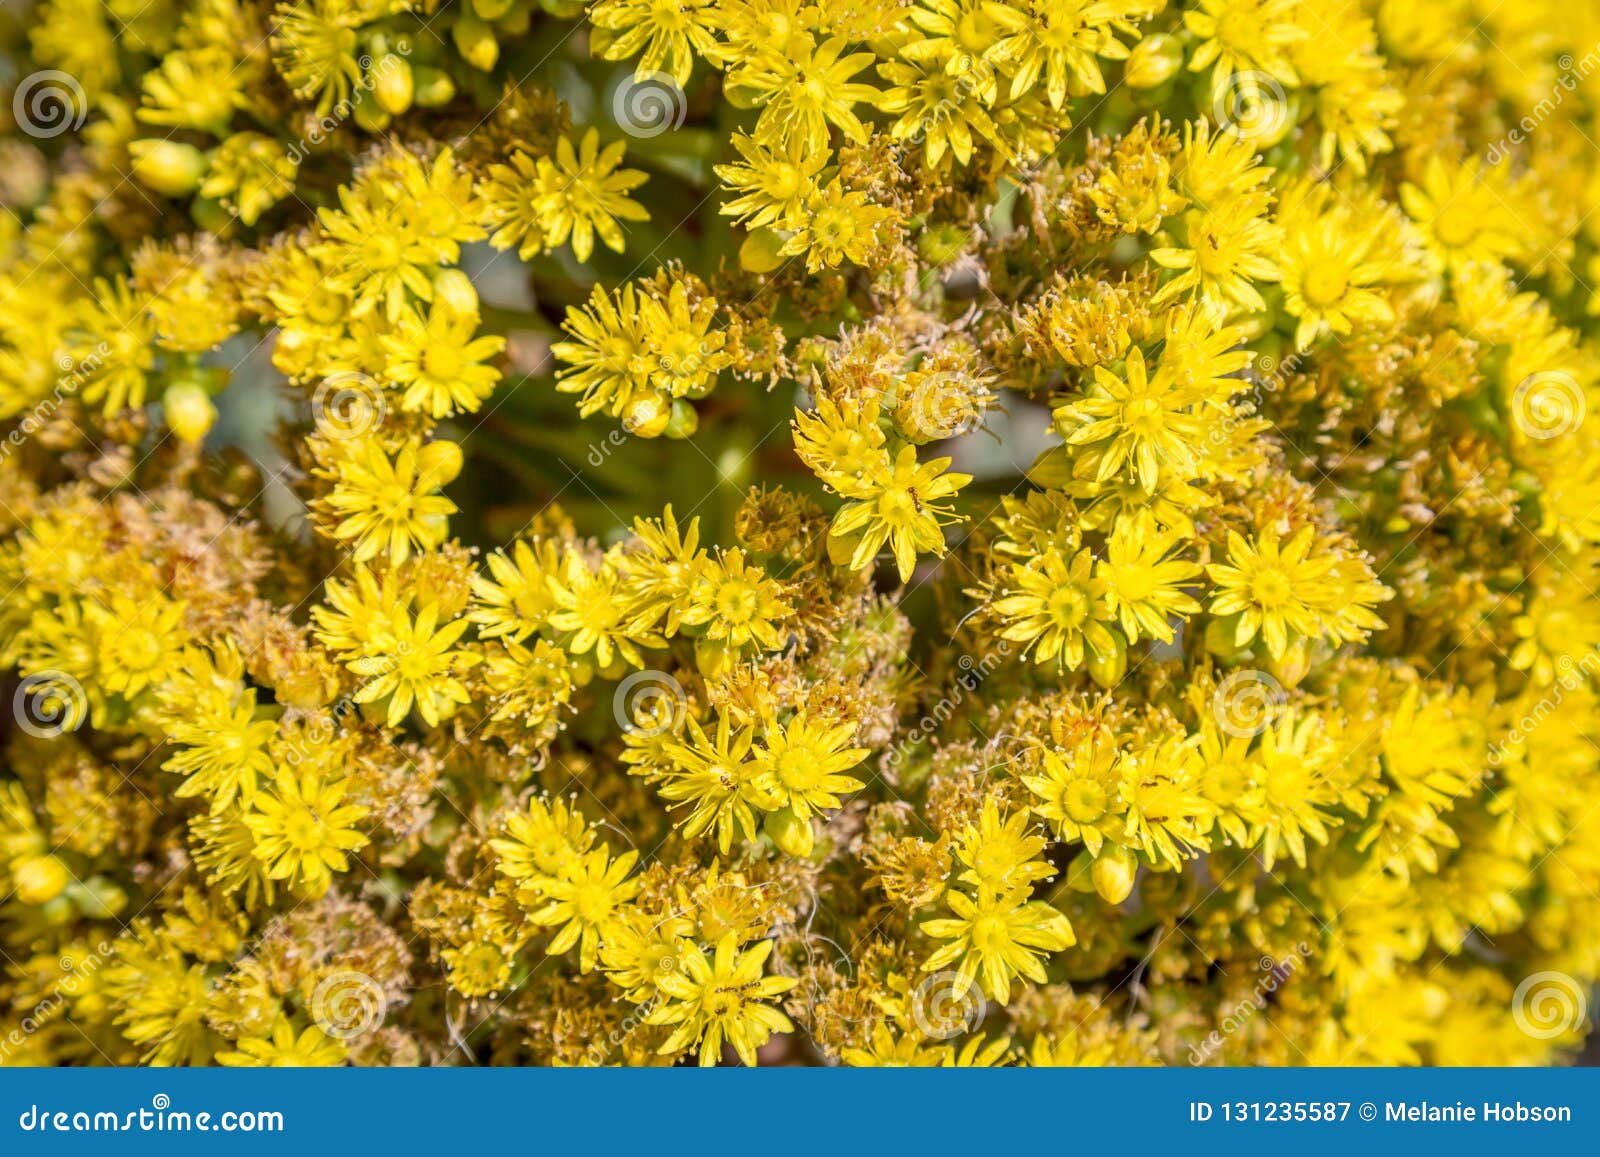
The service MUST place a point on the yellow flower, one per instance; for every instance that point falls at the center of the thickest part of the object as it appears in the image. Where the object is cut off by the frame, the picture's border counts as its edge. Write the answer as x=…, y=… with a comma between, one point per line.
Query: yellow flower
x=1001, y=854
x=610, y=357
x=437, y=361
x=393, y=506
x=225, y=750
x=1462, y=217
x=774, y=183
x=718, y=776
x=1059, y=608
x=304, y=830
x=1226, y=250
x=1079, y=793
x=582, y=900
x=1244, y=36
x=1274, y=587
x=802, y=87
x=591, y=613
x=514, y=599
x=996, y=938
x=803, y=760
x=737, y=603
x=580, y=194
x=540, y=841
x=1331, y=278
x=664, y=37
x=283, y=1048
x=838, y=225
x=421, y=666
x=1141, y=424
x=396, y=225
x=1143, y=584
x=641, y=949
x=1058, y=41
x=904, y=507
x=141, y=642
x=937, y=107
x=717, y=1001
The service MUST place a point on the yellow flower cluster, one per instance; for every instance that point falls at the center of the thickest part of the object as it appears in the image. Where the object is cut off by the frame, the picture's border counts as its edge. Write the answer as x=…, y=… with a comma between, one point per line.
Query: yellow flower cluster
x=900, y=532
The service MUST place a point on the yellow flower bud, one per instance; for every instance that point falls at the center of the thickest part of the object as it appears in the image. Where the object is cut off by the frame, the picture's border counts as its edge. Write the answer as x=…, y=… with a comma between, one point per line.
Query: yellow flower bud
x=99, y=898
x=647, y=416
x=370, y=115
x=1293, y=665
x=761, y=252
x=1220, y=635
x=476, y=42
x=168, y=167
x=392, y=84
x=189, y=411
x=40, y=879
x=1153, y=61
x=1113, y=873
x=439, y=462
x=1080, y=873
x=790, y=832
x=1107, y=670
